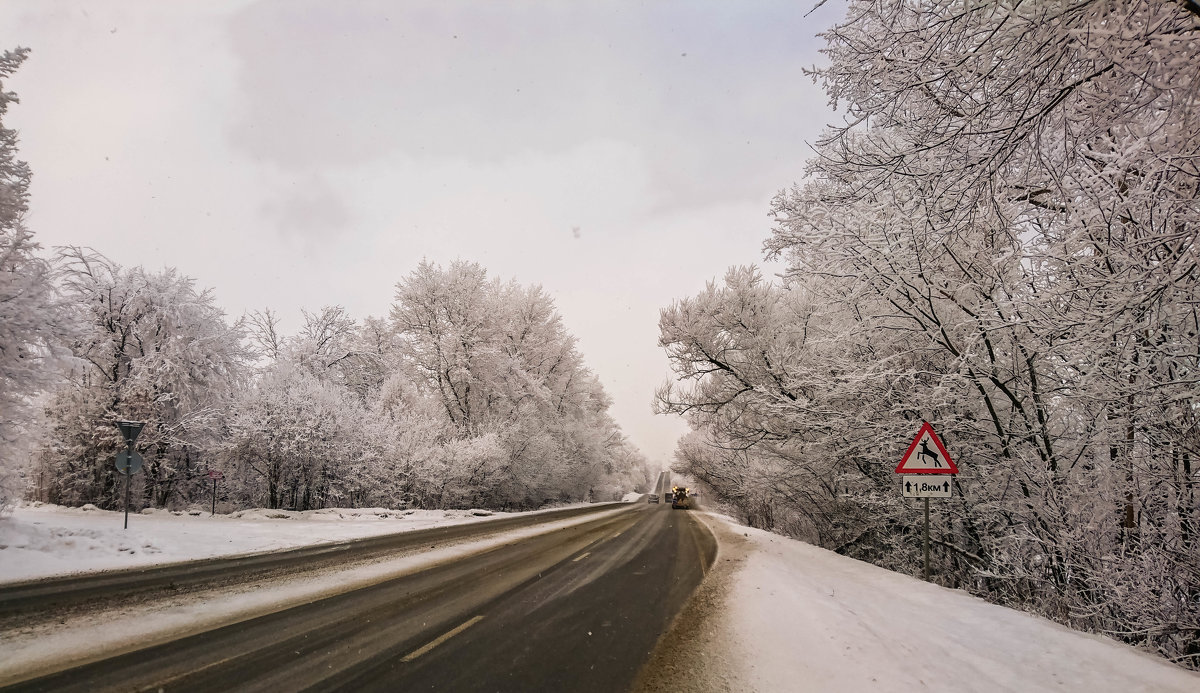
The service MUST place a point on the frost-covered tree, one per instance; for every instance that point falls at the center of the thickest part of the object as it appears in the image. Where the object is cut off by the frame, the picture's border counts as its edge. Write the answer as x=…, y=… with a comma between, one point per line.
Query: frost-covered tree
x=151, y=347
x=501, y=366
x=471, y=394
x=294, y=440
x=32, y=322
x=304, y=433
x=262, y=332
x=446, y=319
x=1002, y=240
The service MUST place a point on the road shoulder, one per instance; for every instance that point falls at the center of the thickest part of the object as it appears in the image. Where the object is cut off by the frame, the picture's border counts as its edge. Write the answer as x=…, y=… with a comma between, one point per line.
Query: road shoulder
x=698, y=653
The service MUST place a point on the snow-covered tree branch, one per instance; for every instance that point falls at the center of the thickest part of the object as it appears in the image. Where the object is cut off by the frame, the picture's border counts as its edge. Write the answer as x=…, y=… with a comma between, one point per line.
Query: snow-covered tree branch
x=1001, y=239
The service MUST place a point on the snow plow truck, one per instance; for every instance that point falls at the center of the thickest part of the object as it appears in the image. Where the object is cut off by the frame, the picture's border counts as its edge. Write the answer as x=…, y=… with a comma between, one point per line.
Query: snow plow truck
x=680, y=498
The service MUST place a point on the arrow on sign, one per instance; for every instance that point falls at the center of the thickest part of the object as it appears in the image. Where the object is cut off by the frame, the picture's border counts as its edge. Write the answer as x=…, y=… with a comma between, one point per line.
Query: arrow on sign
x=926, y=487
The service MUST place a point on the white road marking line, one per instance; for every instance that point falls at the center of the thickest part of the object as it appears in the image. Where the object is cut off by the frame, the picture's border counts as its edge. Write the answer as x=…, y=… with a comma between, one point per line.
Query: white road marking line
x=443, y=638
x=581, y=557
x=616, y=535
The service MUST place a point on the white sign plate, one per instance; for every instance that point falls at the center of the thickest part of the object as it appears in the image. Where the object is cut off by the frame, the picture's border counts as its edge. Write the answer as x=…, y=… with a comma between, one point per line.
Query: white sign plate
x=926, y=486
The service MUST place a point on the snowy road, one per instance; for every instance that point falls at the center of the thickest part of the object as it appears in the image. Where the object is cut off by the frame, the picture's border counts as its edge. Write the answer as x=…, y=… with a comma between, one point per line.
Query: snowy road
x=579, y=607
x=567, y=604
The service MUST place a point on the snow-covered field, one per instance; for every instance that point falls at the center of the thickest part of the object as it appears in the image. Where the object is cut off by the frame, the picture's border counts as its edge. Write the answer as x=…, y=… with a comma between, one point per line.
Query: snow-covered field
x=39, y=540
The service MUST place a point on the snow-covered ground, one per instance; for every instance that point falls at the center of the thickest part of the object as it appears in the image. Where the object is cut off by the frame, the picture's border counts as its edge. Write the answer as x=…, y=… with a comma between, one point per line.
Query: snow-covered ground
x=780, y=615
x=38, y=540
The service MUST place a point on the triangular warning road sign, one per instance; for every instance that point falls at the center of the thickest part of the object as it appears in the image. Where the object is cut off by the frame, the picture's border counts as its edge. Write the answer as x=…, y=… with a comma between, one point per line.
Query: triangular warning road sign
x=926, y=455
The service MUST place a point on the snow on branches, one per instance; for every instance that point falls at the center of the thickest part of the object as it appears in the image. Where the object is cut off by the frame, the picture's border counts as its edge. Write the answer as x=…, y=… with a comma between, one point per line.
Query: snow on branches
x=1001, y=238
x=32, y=320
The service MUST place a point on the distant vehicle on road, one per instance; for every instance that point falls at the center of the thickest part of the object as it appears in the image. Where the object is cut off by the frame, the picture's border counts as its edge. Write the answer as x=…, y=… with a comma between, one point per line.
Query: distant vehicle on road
x=652, y=498
x=680, y=498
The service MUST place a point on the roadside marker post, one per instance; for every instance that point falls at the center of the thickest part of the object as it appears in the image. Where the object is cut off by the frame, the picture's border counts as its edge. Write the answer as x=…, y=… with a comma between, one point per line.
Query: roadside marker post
x=129, y=461
x=216, y=475
x=926, y=455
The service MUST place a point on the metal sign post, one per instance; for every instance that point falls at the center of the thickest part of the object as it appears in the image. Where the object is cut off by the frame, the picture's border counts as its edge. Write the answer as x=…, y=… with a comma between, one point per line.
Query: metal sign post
x=215, y=475
x=926, y=455
x=132, y=461
x=127, y=475
x=926, y=539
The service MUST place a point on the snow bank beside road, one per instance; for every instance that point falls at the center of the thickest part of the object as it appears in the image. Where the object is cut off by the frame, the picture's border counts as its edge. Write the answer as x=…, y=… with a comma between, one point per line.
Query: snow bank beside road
x=39, y=540
x=782, y=615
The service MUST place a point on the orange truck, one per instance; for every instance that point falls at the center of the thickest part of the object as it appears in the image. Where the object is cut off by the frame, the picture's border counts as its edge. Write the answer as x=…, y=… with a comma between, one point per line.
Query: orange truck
x=680, y=498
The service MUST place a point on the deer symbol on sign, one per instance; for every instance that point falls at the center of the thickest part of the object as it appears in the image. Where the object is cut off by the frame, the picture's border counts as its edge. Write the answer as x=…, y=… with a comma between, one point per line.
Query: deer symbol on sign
x=926, y=452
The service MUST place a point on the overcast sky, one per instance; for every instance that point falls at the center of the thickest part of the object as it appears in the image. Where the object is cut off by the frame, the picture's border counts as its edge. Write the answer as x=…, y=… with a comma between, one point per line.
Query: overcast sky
x=293, y=154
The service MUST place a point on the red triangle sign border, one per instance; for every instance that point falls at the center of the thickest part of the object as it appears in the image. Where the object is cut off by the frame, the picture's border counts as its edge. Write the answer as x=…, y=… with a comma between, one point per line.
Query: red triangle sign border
x=927, y=427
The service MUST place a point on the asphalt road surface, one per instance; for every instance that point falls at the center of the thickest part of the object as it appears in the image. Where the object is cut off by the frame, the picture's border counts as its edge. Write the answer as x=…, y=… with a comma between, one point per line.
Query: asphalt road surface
x=576, y=609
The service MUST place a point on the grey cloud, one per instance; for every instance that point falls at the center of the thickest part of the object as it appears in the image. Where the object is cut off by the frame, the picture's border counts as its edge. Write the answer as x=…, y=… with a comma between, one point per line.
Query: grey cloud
x=348, y=83
x=308, y=211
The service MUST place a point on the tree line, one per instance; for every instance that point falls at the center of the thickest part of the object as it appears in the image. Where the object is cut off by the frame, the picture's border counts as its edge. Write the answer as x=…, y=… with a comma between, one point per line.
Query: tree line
x=1001, y=239
x=470, y=393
